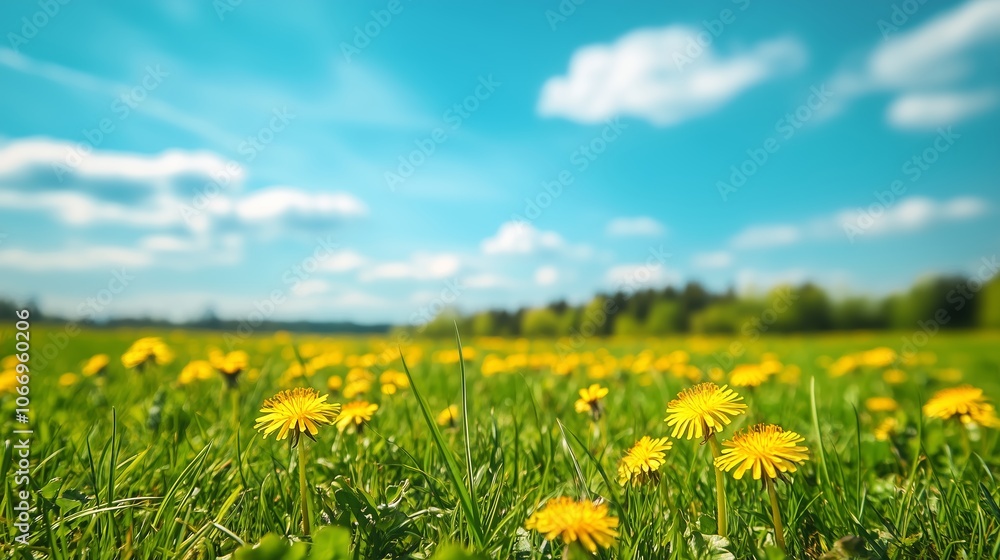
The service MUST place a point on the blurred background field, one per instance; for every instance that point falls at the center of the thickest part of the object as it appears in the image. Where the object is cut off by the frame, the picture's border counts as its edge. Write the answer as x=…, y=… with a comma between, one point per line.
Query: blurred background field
x=150, y=462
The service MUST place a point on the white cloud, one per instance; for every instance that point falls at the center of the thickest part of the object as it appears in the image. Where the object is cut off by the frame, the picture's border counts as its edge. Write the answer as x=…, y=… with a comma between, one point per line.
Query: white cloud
x=485, y=280
x=647, y=74
x=935, y=53
x=932, y=110
x=311, y=287
x=716, y=259
x=766, y=236
x=193, y=190
x=74, y=258
x=640, y=226
x=546, y=275
x=420, y=266
x=343, y=261
x=912, y=214
x=929, y=65
x=520, y=238
x=274, y=203
x=631, y=277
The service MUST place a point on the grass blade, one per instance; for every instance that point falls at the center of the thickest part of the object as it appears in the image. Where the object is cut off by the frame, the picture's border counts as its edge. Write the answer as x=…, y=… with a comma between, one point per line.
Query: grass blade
x=464, y=497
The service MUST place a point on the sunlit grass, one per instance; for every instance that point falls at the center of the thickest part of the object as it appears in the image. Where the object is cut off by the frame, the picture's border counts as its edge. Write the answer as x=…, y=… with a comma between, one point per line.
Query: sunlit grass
x=147, y=463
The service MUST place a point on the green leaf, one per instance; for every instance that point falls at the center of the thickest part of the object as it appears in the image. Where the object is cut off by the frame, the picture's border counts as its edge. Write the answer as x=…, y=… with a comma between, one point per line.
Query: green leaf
x=271, y=547
x=454, y=473
x=451, y=552
x=331, y=543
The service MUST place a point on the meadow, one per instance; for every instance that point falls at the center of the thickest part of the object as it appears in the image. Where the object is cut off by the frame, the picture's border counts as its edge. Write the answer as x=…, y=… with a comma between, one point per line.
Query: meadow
x=153, y=452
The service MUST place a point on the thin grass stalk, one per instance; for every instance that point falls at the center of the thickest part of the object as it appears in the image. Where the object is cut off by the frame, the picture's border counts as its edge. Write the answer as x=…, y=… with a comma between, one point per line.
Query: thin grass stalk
x=303, y=489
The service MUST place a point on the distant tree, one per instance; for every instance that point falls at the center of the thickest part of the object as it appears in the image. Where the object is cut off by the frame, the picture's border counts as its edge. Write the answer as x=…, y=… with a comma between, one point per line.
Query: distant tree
x=539, y=322
x=989, y=304
x=627, y=325
x=665, y=317
x=484, y=324
x=858, y=314
x=569, y=321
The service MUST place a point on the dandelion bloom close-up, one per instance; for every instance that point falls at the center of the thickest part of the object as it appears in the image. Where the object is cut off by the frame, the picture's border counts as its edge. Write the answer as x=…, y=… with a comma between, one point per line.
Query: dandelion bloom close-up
x=764, y=449
x=965, y=403
x=95, y=365
x=448, y=416
x=571, y=521
x=296, y=411
x=355, y=414
x=881, y=404
x=703, y=409
x=749, y=375
x=590, y=399
x=642, y=462
x=146, y=351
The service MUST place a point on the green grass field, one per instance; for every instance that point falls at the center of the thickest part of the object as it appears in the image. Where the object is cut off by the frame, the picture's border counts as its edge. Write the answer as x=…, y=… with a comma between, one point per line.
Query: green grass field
x=134, y=464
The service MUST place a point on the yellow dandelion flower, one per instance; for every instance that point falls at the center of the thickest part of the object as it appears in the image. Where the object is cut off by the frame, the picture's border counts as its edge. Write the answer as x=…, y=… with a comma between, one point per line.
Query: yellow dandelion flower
x=590, y=400
x=388, y=389
x=887, y=428
x=68, y=379
x=230, y=365
x=965, y=403
x=881, y=404
x=449, y=416
x=764, y=449
x=146, y=351
x=894, y=376
x=296, y=411
x=355, y=388
x=8, y=380
x=641, y=464
x=334, y=383
x=749, y=375
x=575, y=521
x=702, y=410
x=95, y=365
x=355, y=414
x=196, y=370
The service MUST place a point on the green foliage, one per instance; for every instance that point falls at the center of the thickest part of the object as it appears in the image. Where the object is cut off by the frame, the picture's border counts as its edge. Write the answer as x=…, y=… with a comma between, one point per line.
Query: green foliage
x=329, y=543
x=540, y=322
x=989, y=309
x=108, y=485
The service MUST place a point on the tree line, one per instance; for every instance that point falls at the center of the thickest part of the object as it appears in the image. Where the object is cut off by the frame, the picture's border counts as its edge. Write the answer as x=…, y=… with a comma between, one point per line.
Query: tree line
x=948, y=302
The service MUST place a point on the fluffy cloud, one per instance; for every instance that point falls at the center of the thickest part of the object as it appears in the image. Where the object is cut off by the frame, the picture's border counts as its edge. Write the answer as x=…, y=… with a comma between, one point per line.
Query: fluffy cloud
x=716, y=259
x=74, y=258
x=766, y=236
x=640, y=226
x=902, y=216
x=632, y=277
x=420, y=266
x=172, y=189
x=518, y=238
x=931, y=110
x=931, y=67
x=343, y=261
x=546, y=276
x=911, y=214
x=647, y=74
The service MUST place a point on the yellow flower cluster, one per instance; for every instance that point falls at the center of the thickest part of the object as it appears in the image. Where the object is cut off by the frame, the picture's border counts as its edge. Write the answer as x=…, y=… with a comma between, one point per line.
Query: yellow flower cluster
x=146, y=351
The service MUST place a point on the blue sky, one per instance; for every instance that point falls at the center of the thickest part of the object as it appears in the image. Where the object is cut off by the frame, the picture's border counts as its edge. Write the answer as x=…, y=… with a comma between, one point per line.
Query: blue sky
x=379, y=162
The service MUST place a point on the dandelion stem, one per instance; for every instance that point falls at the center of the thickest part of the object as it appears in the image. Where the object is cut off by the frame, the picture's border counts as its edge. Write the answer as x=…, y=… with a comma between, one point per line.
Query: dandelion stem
x=303, y=488
x=235, y=404
x=720, y=489
x=779, y=529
